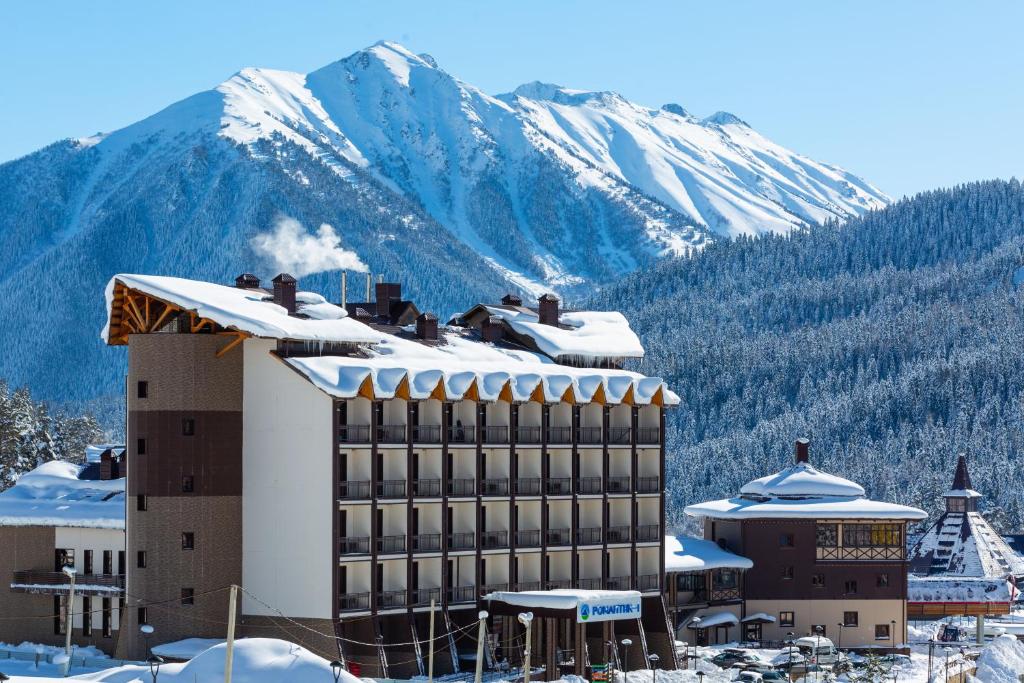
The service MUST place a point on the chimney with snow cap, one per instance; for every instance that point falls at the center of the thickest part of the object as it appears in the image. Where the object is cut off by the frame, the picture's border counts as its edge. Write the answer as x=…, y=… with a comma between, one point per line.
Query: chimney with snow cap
x=511, y=300
x=426, y=326
x=803, y=447
x=491, y=329
x=284, y=292
x=547, y=310
x=247, y=281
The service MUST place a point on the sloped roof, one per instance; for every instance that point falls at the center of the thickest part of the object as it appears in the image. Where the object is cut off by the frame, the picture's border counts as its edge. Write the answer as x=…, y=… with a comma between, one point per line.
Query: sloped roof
x=55, y=494
x=802, y=479
x=689, y=554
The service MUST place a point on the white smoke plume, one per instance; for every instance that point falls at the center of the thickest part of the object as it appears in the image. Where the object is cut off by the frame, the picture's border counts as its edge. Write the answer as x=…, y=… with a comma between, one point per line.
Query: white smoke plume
x=295, y=251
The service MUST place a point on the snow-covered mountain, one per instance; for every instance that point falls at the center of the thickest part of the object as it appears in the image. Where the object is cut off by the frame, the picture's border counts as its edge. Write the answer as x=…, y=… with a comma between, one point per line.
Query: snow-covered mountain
x=427, y=179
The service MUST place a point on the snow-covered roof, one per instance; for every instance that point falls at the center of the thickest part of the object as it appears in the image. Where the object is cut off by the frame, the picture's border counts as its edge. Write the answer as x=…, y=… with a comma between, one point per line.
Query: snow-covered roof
x=716, y=619
x=761, y=617
x=559, y=598
x=94, y=452
x=961, y=493
x=464, y=366
x=808, y=508
x=964, y=545
x=586, y=334
x=186, y=649
x=802, y=479
x=54, y=495
x=247, y=310
x=945, y=589
x=689, y=554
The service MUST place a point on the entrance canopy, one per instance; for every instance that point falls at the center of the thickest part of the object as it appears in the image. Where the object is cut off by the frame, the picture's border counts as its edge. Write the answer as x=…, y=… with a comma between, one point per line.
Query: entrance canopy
x=586, y=606
x=758, y=618
x=716, y=619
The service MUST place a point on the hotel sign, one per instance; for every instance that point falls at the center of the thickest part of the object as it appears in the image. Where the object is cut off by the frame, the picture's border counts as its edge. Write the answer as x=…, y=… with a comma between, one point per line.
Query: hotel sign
x=608, y=609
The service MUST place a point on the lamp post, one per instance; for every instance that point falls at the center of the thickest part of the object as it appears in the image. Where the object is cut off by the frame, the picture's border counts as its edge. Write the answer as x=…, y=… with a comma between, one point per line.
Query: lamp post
x=610, y=645
x=526, y=619
x=154, y=662
x=700, y=677
x=336, y=667
x=653, y=663
x=626, y=642
x=931, y=651
x=146, y=630
x=69, y=625
x=481, y=636
x=790, y=642
x=695, y=625
x=817, y=644
x=686, y=659
x=892, y=632
x=947, y=650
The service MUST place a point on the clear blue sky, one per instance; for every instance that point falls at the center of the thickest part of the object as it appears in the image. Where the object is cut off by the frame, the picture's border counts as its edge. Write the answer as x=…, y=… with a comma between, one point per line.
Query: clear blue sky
x=909, y=95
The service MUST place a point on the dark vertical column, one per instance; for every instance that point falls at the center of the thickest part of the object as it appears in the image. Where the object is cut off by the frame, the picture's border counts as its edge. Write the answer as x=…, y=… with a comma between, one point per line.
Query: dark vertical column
x=446, y=476
x=479, y=431
x=606, y=419
x=661, y=497
x=410, y=408
x=634, y=472
x=574, y=487
x=375, y=530
x=336, y=521
x=551, y=650
x=513, y=477
x=545, y=476
x=579, y=644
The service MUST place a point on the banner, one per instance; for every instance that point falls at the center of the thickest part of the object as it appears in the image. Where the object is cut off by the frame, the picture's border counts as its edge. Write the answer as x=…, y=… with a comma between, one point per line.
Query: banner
x=608, y=609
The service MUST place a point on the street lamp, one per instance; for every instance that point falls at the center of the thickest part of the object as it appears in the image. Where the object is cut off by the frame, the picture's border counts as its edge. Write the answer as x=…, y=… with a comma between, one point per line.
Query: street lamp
x=626, y=642
x=653, y=663
x=790, y=642
x=700, y=677
x=839, y=645
x=146, y=630
x=69, y=624
x=892, y=632
x=154, y=662
x=336, y=667
x=817, y=644
x=695, y=625
x=526, y=619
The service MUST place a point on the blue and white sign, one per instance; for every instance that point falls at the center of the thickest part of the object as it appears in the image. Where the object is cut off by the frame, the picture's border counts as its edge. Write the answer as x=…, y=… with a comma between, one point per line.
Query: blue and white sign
x=608, y=609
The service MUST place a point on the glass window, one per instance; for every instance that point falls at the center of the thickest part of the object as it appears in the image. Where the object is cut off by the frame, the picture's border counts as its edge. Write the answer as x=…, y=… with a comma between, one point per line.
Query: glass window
x=786, y=540
x=850, y=587
x=140, y=559
x=188, y=426
x=786, y=619
x=827, y=535
x=188, y=484
x=140, y=503
x=787, y=573
x=818, y=580
x=58, y=615
x=140, y=446
x=188, y=540
x=850, y=618
x=188, y=596
x=872, y=535
x=63, y=557
x=86, y=615
x=143, y=389
x=724, y=579
x=956, y=504
x=883, y=581
x=690, y=582
x=881, y=631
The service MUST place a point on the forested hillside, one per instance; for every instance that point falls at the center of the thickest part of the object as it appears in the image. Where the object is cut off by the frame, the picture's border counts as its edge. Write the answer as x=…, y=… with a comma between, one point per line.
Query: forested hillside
x=894, y=342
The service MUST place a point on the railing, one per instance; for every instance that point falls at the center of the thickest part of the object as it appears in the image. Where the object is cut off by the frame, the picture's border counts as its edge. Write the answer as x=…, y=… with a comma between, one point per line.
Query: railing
x=724, y=594
x=648, y=436
x=527, y=435
x=646, y=533
x=494, y=539
x=589, y=435
x=528, y=586
x=462, y=594
x=353, y=490
x=392, y=433
x=426, y=543
x=386, y=599
x=861, y=553
x=618, y=534
x=463, y=540
x=354, y=545
x=648, y=484
x=494, y=487
x=559, y=435
x=391, y=544
x=427, y=488
x=391, y=488
x=648, y=582
x=353, y=602
x=588, y=536
x=426, y=433
x=32, y=581
x=619, y=485
x=461, y=487
x=589, y=584
x=559, y=486
x=528, y=487
x=589, y=485
x=620, y=436
x=618, y=583
x=354, y=433
x=559, y=537
x=492, y=588
x=496, y=434
x=697, y=597
x=423, y=596
x=555, y=584
x=461, y=434
x=529, y=538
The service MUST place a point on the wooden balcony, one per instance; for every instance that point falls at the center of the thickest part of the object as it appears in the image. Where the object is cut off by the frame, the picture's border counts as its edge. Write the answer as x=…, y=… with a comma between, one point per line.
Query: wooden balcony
x=33, y=581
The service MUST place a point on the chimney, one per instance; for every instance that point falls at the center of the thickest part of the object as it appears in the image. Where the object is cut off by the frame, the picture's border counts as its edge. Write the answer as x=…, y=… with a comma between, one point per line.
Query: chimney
x=247, y=281
x=284, y=292
x=344, y=288
x=109, y=466
x=426, y=326
x=386, y=293
x=491, y=329
x=803, y=450
x=547, y=310
x=369, y=281
x=511, y=300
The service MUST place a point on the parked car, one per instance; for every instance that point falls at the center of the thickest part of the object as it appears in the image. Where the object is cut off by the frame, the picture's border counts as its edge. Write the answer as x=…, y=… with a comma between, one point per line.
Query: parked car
x=749, y=677
x=818, y=649
x=774, y=676
x=727, y=658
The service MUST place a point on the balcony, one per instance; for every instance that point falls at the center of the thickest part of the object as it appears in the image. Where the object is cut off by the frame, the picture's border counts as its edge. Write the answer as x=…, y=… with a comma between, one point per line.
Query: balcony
x=648, y=436
x=529, y=538
x=589, y=435
x=392, y=434
x=620, y=436
x=353, y=602
x=648, y=582
x=893, y=552
x=558, y=537
x=588, y=485
x=494, y=539
x=495, y=435
x=493, y=588
x=426, y=433
x=494, y=487
x=528, y=487
x=462, y=594
x=555, y=584
x=646, y=533
x=528, y=586
x=559, y=486
x=559, y=435
x=391, y=488
x=463, y=540
x=426, y=488
x=390, y=599
x=462, y=488
x=619, y=485
x=426, y=543
x=618, y=534
x=32, y=581
x=588, y=536
x=354, y=490
x=618, y=583
x=388, y=545
x=589, y=584
x=421, y=597
x=648, y=484
x=527, y=435
x=354, y=545
x=354, y=433
x=461, y=434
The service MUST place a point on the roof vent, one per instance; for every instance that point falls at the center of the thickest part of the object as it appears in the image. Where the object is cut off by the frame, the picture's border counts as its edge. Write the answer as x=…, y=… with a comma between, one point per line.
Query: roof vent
x=284, y=292
x=511, y=300
x=803, y=447
x=247, y=281
x=547, y=310
x=426, y=326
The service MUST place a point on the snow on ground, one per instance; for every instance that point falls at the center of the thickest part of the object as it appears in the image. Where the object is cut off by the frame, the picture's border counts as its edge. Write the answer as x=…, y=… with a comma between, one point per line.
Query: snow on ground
x=1001, y=661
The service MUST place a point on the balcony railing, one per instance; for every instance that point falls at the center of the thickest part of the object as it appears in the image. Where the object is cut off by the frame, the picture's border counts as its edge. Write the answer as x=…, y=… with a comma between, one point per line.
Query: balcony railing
x=354, y=545
x=391, y=488
x=391, y=544
x=648, y=436
x=494, y=487
x=648, y=582
x=463, y=434
x=618, y=583
x=559, y=435
x=528, y=586
x=462, y=594
x=463, y=540
x=392, y=434
x=589, y=584
x=494, y=539
x=588, y=536
x=618, y=534
x=461, y=488
x=529, y=538
x=493, y=588
x=559, y=537
x=555, y=584
x=559, y=486
x=426, y=543
x=528, y=487
x=589, y=435
x=353, y=602
x=588, y=485
x=426, y=488
x=527, y=435
x=31, y=581
x=423, y=596
x=620, y=436
x=426, y=433
x=648, y=485
x=646, y=533
x=354, y=490
x=387, y=599
x=354, y=433
x=619, y=485
x=496, y=434
x=861, y=553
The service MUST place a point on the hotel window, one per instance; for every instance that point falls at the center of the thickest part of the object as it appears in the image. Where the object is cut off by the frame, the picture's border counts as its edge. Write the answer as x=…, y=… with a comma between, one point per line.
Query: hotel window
x=108, y=561
x=787, y=573
x=140, y=559
x=724, y=579
x=188, y=540
x=120, y=562
x=188, y=596
x=140, y=446
x=827, y=535
x=87, y=562
x=188, y=426
x=786, y=541
x=883, y=581
x=58, y=615
x=689, y=583
x=956, y=505
x=140, y=503
x=872, y=535
x=142, y=389
x=850, y=587
x=143, y=615
x=786, y=619
x=188, y=484
x=818, y=580
x=86, y=615
x=108, y=619
x=850, y=619
x=63, y=557
x=881, y=631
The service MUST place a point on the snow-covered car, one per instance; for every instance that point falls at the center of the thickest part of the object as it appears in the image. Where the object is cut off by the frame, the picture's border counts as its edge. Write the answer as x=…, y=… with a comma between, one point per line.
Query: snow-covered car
x=727, y=658
x=773, y=676
x=749, y=677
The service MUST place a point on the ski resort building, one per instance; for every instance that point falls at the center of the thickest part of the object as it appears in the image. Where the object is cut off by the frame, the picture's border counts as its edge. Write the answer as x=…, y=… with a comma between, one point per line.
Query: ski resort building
x=63, y=515
x=823, y=555
x=349, y=465
x=961, y=566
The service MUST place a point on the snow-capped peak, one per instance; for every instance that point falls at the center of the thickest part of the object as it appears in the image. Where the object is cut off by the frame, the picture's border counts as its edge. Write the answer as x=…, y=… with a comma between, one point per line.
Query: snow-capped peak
x=677, y=109
x=724, y=118
x=537, y=90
